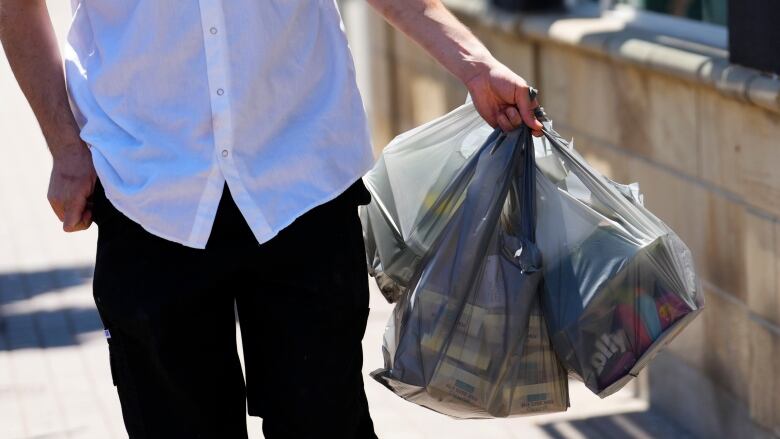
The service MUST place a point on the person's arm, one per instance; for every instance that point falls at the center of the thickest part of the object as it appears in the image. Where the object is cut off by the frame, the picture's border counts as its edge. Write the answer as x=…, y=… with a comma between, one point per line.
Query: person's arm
x=500, y=96
x=31, y=47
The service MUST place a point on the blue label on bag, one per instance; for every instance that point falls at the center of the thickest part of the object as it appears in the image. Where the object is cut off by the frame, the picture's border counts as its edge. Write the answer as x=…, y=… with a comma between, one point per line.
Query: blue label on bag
x=464, y=386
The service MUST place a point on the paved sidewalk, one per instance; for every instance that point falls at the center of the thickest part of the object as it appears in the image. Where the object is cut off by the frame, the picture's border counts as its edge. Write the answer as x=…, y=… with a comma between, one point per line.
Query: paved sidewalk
x=54, y=375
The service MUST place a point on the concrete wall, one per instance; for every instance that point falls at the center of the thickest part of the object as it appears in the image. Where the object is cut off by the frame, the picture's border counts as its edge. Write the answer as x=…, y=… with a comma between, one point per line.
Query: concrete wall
x=706, y=157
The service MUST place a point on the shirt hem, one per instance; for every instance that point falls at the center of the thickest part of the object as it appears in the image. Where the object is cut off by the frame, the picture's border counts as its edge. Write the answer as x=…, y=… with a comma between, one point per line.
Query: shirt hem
x=203, y=222
x=151, y=230
x=330, y=197
x=260, y=239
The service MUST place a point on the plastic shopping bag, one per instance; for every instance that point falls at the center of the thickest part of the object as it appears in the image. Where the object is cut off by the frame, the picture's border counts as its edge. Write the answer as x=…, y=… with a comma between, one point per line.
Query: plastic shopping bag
x=619, y=284
x=415, y=191
x=467, y=337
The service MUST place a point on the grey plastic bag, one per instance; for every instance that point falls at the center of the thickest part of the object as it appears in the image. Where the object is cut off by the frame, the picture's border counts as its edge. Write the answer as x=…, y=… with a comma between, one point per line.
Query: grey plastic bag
x=467, y=339
x=618, y=283
x=416, y=185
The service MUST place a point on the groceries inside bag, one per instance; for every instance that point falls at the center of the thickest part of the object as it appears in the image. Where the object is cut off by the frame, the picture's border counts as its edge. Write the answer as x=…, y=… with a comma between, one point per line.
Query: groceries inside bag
x=616, y=283
x=467, y=337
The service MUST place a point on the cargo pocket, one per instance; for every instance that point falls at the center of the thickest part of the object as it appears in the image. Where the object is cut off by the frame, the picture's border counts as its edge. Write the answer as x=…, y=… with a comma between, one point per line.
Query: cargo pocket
x=123, y=381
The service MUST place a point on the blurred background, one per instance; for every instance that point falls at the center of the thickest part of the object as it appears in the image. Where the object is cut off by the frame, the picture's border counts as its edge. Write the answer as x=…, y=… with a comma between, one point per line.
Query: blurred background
x=680, y=95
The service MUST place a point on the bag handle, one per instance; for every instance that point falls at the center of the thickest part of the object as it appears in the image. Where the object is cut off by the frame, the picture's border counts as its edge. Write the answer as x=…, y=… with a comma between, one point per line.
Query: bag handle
x=524, y=171
x=528, y=186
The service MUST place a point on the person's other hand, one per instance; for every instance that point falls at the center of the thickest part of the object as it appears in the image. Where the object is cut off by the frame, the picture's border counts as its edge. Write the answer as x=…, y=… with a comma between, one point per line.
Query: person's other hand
x=502, y=99
x=70, y=186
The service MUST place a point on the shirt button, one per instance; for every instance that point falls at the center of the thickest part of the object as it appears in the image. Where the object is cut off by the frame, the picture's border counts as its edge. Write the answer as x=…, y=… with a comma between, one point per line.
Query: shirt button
x=224, y=153
x=213, y=31
x=220, y=91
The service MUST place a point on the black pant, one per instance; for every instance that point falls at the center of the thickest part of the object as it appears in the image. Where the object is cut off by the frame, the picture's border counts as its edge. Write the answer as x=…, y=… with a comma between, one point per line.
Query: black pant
x=302, y=303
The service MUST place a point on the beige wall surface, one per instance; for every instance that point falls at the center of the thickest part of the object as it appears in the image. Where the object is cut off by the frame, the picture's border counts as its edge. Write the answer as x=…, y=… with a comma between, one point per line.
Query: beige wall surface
x=708, y=165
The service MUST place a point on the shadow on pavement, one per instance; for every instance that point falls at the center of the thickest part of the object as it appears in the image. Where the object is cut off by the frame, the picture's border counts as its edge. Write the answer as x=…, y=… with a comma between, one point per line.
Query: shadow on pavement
x=633, y=425
x=38, y=309
x=28, y=284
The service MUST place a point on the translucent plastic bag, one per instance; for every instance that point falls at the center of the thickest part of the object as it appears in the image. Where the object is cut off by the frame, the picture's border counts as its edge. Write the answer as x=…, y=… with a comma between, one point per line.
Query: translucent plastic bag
x=467, y=339
x=416, y=184
x=619, y=284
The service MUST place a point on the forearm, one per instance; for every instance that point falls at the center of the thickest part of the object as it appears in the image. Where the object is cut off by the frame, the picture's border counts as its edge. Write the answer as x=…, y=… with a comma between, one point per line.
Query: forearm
x=430, y=24
x=31, y=47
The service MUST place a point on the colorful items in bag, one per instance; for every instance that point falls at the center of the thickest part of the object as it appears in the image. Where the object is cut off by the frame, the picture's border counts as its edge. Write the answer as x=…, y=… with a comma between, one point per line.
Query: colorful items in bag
x=636, y=330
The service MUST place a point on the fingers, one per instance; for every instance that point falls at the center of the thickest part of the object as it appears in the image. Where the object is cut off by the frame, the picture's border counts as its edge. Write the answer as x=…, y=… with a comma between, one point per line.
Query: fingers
x=57, y=207
x=536, y=128
x=86, y=219
x=74, y=214
x=504, y=123
x=516, y=120
x=510, y=119
x=510, y=112
x=514, y=116
x=526, y=107
x=71, y=183
x=529, y=118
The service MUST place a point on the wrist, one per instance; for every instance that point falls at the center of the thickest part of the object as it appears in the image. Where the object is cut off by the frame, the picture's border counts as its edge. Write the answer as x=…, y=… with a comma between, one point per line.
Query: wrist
x=61, y=132
x=476, y=68
x=68, y=149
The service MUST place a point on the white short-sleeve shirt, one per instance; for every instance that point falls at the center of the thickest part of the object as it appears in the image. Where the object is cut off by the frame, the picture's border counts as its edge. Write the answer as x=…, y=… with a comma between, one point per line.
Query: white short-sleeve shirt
x=175, y=98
